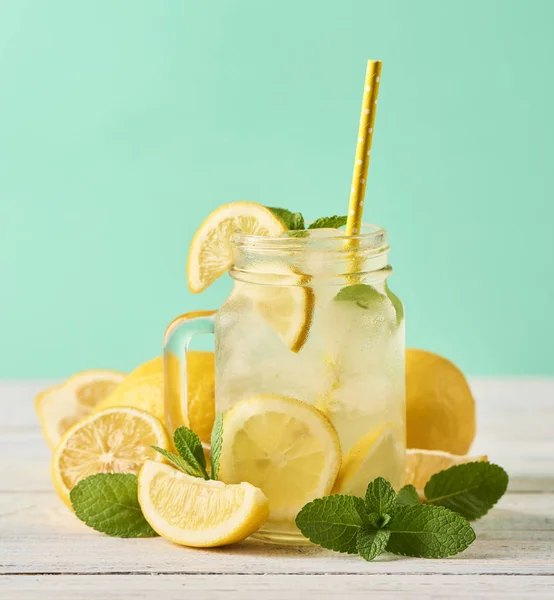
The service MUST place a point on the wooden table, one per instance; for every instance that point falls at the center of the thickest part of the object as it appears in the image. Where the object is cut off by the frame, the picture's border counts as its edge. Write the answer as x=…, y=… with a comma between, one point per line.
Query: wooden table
x=45, y=552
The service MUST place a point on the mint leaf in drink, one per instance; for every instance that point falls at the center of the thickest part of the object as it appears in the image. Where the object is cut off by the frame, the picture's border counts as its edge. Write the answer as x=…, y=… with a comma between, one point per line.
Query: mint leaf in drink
x=397, y=303
x=189, y=446
x=470, y=489
x=428, y=532
x=333, y=522
x=328, y=222
x=291, y=220
x=380, y=497
x=371, y=542
x=217, y=442
x=108, y=502
x=362, y=294
x=179, y=462
x=407, y=496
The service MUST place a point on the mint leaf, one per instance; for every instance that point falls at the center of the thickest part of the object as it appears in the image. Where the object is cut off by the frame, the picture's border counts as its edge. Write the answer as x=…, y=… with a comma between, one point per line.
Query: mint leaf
x=362, y=294
x=380, y=497
x=179, y=462
x=428, y=532
x=291, y=220
x=333, y=522
x=217, y=443
x=371, y=542
x=332, y=222
x=397, y=303
x=108, y=502
x=189, y=446
x=297, y=221
x=407, y=496
x=470, y=489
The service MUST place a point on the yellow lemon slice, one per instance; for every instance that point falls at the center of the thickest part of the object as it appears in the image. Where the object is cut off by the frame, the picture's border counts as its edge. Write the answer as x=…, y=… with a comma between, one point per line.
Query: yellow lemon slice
x=61, y=406
x=143, y=388
x=194, y=512
x=378, y=454
x=117, y=440
x=287, y=448
x=211, y=254
x=422, y=464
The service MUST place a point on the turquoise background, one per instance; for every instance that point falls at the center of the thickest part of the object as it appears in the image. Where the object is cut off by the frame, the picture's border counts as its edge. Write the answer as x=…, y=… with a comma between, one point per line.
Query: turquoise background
x=123, y=123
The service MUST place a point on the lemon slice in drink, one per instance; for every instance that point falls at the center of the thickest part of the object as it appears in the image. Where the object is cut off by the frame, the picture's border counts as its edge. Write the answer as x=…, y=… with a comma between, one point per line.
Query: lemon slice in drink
x=421, y=465
x=116, y=440
x=375, y=455
x=194, y=512
x=285, y=447
x=61, y=406
x=210, y=252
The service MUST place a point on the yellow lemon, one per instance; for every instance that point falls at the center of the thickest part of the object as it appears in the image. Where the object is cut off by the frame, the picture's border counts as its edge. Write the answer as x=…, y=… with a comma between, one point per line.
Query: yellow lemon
x=285, y=447
x=440, y=409
x=195, y=512
x=61, y=406
x=422, y=464
x=377, y=454
x=116, y=440
x=143, y=388
x=210, y=252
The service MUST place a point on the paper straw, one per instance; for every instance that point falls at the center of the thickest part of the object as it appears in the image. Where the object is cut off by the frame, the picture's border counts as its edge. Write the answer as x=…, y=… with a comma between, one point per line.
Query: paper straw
x=363, y=148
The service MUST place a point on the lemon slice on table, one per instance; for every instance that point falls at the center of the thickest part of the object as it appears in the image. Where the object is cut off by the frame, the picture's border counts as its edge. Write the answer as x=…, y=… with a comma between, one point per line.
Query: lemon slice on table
x=375, y=455
x=210, y=252
x=61, y=406
x=285, y=447
x=116, y=440
x=143, y=388
x=195, y=512
x=422, y=464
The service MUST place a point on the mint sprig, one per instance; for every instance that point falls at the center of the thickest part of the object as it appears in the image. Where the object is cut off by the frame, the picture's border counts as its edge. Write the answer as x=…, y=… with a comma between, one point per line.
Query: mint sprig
x=108, y=502
x=216, y=445
x=470, y=489
x=189, y=446
x=333, y=222
x=366, y=296
x=294, y=221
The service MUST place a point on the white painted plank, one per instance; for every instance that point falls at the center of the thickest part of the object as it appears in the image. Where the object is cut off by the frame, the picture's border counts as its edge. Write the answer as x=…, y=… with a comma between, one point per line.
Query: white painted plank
x=40, y=535
x=273, y=587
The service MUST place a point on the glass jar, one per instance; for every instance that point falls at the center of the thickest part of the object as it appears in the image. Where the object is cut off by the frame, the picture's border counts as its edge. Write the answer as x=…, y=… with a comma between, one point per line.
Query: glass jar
x=309, y=355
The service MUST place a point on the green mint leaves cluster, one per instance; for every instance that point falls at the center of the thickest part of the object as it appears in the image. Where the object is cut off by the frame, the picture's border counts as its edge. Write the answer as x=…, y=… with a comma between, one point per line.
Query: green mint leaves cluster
x=295, y=221
x=384, y=521
x=108, y=502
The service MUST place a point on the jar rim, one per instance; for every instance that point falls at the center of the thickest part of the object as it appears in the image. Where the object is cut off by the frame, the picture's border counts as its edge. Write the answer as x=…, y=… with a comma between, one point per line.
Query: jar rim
x=371, y=238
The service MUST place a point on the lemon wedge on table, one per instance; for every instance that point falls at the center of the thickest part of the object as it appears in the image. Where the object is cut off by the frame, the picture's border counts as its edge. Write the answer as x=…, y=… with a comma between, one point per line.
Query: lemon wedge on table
x=116, y=440
x=210, y=253
x=61, y=406
x=421, y=465
x=285, y=447
x=143, y=388
x=195, y=512
x=375, y=455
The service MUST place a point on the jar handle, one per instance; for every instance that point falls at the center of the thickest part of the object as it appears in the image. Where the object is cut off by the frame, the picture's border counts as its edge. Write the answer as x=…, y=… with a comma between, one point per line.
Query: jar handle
x=175, y=346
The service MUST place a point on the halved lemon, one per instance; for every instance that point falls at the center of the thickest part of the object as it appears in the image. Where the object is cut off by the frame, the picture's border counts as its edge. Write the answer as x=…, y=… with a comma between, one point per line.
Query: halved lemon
x=210, y=252
x=116, y=440
x=422, y=464
x=195, y=512
x=61, y=406
x=285, y=447
x=378, y=454
x=143, y=388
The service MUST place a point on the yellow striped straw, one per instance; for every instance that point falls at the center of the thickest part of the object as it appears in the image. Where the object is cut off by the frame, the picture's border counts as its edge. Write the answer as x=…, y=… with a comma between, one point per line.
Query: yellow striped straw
x=363, y=148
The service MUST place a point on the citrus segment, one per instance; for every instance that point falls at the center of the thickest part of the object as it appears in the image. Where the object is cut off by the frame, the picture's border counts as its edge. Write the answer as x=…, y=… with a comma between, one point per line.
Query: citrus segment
x=285, y=447
x=210, y=254
x=422, y=464
x=116, y=440
x=61, y=406
x=375, y=455
x=195, y=512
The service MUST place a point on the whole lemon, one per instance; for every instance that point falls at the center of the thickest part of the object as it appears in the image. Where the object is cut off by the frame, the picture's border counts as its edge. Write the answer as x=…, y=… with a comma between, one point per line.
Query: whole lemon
x=440, y=409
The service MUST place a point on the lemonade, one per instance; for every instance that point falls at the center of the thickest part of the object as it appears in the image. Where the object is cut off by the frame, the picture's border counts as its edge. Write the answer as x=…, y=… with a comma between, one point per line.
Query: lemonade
x=310, y=373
